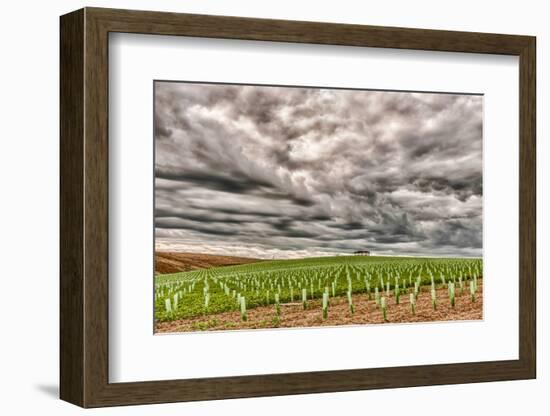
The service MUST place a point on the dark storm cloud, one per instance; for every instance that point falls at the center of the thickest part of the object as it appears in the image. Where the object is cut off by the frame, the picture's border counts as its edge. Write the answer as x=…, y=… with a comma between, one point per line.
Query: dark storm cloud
x=219, y=182
x=273, y=171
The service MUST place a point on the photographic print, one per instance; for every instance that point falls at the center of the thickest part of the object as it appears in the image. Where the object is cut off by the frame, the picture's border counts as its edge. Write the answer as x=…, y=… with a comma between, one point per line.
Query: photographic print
x=294, y=206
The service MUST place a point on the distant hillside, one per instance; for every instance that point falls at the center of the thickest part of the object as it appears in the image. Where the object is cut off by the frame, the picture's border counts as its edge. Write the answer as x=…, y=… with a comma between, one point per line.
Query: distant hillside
x=173, y=262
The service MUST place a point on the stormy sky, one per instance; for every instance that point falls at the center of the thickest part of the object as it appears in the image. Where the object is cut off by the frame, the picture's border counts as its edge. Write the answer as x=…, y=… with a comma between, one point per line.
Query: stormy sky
x=280, y=172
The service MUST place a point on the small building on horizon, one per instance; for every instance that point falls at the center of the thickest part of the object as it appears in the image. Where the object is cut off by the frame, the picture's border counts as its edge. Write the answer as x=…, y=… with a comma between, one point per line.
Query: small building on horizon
x=362, y=253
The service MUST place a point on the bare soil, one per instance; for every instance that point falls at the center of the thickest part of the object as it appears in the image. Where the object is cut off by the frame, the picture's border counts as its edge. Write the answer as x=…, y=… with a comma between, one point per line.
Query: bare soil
x=174, y=262
x=366, y=312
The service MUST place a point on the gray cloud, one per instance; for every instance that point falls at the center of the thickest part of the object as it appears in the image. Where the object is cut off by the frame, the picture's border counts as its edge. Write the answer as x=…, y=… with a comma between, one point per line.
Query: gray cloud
x=287, y=172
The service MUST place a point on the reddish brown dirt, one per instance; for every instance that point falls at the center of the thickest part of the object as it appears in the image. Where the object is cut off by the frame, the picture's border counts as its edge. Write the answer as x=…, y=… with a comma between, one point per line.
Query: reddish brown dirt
x=173, y=262
x=366, y=312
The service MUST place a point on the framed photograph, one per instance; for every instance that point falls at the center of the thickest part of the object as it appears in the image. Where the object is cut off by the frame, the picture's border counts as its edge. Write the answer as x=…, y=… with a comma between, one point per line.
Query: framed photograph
x=255, y=207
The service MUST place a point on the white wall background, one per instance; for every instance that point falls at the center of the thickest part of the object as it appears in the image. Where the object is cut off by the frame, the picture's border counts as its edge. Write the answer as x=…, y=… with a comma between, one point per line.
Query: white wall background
x=29, y=207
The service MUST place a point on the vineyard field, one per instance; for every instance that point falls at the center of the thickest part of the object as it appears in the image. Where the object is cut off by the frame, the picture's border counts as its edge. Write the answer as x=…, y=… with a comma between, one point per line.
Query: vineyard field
x=329, y=290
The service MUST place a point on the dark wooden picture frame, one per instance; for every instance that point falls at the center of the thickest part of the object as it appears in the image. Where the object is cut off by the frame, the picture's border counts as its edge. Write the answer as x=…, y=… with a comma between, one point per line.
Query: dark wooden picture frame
x=84, y=207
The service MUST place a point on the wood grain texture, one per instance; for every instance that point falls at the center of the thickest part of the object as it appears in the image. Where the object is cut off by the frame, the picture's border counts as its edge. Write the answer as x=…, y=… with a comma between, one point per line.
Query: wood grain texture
x=227, y=27
x=84, y=207
x=71, y=213
x=96, y=208
x=527, y=208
